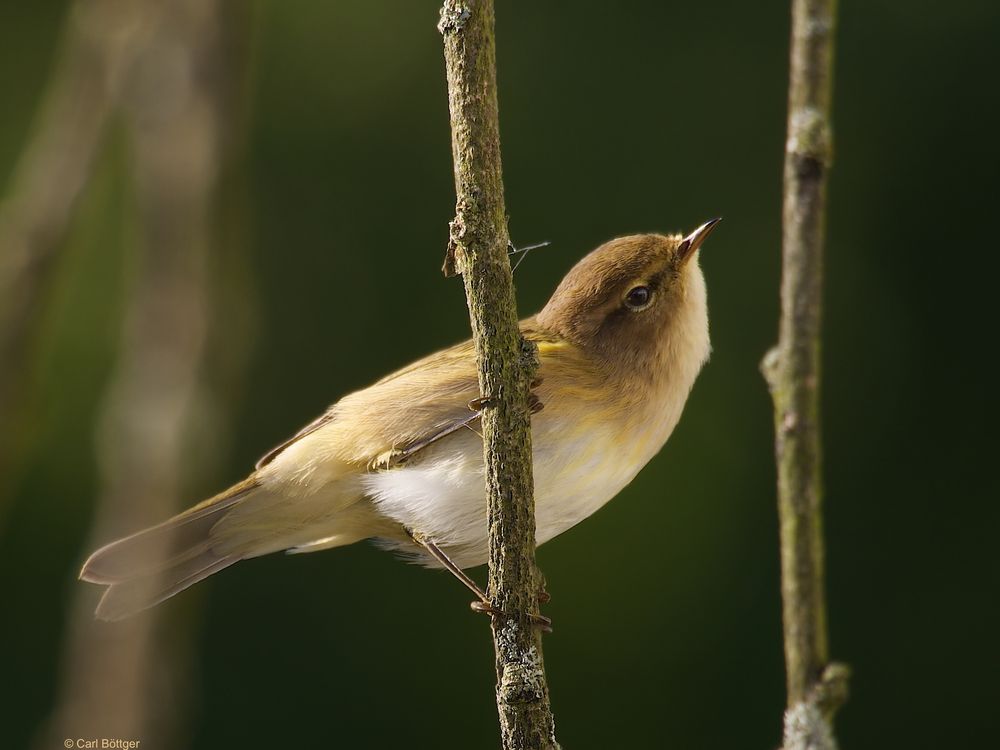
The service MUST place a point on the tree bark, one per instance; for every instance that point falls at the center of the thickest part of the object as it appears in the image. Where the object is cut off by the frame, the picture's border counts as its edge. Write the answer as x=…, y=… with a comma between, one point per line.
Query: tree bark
x=506, y=362
x=815, y=687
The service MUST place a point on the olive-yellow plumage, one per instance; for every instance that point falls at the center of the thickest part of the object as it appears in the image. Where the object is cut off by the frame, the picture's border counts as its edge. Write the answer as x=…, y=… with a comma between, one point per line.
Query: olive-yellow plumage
x=620, y=344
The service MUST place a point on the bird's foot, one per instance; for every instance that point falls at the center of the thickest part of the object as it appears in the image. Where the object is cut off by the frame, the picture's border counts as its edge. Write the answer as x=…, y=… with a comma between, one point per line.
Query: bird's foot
x=483, y=603
x=541, y=622
x=535, y=404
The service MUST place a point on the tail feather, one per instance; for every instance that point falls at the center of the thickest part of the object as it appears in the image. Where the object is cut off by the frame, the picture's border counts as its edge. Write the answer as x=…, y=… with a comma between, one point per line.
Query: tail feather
x=176, y=540
x=147, y=567
x=247, y=520
x=129, y=597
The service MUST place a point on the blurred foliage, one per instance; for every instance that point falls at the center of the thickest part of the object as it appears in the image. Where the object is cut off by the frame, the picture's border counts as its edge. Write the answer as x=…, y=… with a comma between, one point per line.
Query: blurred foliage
x=615, y=118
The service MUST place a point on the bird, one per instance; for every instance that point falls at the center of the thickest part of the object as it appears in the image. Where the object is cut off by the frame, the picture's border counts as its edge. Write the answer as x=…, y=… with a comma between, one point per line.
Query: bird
x=620, y=344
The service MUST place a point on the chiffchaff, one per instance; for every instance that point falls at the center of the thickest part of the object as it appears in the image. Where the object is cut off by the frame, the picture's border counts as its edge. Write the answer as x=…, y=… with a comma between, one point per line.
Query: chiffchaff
x=620, y=344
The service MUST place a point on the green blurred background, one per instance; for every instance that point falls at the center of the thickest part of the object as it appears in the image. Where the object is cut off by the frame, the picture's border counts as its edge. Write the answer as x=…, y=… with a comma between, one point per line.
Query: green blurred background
x=615, y=118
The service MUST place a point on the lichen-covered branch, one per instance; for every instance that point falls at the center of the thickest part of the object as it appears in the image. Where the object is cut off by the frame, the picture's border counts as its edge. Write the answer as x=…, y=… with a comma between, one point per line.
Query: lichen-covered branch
x=792, y=369
x=478, y=250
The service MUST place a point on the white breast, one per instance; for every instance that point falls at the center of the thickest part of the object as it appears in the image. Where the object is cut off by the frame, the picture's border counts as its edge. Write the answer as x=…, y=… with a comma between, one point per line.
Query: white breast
x=442, y=495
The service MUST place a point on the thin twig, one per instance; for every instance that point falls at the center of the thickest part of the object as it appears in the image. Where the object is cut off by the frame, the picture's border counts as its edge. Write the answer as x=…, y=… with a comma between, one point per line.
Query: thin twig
x=506, y=363
x=815, y=687
x=523, y=252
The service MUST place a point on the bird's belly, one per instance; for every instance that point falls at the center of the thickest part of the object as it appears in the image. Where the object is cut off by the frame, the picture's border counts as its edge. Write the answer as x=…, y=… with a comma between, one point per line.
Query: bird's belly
x=443, y=496
x=576, y=476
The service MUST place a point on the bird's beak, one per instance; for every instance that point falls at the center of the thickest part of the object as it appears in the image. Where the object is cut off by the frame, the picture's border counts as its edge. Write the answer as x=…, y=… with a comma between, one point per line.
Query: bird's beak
x=690, y=244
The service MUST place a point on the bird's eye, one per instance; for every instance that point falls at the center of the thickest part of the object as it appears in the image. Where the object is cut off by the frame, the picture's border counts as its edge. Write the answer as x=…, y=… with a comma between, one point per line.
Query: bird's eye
x=638, y=297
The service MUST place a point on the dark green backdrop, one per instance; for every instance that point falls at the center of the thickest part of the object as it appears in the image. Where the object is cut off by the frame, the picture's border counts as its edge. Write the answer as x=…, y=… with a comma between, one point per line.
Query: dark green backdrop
x=615, y=118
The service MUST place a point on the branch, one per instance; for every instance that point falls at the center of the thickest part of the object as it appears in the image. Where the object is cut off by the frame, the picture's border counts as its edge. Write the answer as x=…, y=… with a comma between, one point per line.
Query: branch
x=478, y=250
x=815, y=688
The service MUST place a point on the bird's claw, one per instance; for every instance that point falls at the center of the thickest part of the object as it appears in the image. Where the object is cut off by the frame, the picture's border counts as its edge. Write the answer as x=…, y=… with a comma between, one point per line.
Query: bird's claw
x=541, y=622
x=535, y=404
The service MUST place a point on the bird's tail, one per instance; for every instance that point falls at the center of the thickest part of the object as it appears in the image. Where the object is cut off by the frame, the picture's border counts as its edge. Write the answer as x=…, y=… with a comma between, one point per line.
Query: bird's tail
x=152, y=565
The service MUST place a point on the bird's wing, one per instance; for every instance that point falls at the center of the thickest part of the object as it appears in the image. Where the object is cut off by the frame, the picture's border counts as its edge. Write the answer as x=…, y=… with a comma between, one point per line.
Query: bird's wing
x=391, y=421
x=307, y=430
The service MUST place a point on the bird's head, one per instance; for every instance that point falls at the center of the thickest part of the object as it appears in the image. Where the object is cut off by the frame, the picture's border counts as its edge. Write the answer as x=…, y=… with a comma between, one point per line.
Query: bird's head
x=637, y=303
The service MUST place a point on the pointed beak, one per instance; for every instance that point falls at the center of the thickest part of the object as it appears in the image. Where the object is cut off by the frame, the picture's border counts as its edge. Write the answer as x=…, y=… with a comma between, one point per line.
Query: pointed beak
x=690, y=244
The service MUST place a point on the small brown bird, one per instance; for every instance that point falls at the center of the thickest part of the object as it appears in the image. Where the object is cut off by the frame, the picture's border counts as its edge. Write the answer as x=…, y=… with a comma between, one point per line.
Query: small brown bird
x=620, y=344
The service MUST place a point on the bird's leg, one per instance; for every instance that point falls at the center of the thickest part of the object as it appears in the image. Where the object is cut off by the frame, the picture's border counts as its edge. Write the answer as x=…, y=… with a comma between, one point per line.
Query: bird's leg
x=438, y=554
x=483, y=604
